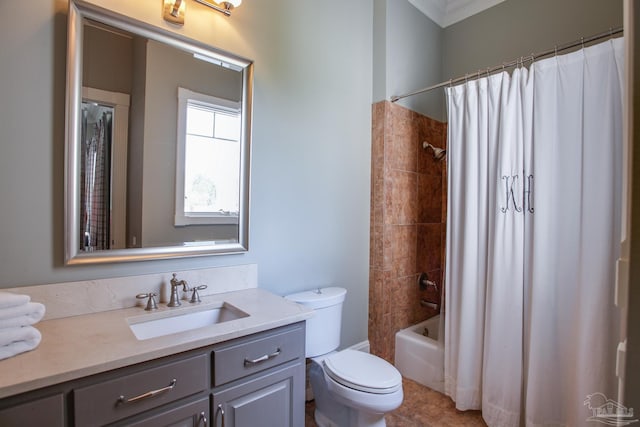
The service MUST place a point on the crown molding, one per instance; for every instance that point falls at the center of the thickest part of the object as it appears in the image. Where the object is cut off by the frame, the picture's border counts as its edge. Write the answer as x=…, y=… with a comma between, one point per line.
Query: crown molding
x=457, y=10
x=448, y=12
x=436, y=10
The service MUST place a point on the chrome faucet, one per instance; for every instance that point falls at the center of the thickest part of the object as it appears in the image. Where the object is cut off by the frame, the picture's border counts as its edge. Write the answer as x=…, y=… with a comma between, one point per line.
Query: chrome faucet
x=175, y=297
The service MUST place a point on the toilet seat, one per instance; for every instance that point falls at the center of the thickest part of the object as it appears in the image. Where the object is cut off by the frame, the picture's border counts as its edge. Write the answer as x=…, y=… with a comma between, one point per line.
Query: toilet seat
x=363, y=371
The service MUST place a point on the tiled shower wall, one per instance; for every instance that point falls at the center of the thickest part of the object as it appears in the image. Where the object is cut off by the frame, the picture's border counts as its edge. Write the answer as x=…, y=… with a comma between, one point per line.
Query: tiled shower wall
x=408, y=215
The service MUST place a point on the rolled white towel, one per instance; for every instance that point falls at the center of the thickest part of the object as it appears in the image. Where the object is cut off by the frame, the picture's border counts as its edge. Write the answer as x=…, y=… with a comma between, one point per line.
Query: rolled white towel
x=18, y=340
x=7, y=299
x=22, y=315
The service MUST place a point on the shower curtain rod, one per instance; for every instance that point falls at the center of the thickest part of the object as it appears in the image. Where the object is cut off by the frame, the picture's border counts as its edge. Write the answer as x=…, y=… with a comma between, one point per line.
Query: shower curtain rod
x=521, y=60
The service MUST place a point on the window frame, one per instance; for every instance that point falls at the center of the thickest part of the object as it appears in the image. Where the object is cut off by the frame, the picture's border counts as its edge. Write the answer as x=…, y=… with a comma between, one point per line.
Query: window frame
x=185, y=97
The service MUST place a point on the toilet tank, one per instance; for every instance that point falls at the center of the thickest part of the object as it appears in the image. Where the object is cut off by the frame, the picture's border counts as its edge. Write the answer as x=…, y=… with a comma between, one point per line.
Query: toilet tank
x=323, y=329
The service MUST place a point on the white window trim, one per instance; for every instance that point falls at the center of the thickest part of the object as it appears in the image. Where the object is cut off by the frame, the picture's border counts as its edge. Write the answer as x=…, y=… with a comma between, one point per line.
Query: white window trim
x=204, y=218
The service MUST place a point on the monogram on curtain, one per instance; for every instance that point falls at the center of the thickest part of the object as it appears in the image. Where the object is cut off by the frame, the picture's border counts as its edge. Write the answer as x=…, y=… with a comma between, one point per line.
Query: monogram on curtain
x=533, y=230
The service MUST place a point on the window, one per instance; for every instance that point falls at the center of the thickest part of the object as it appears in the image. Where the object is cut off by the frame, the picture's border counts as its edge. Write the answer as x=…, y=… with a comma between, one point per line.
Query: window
x=208, y=160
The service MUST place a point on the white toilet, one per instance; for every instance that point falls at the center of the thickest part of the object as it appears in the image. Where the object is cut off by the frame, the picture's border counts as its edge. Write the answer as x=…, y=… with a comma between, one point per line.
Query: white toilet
x=351, y=388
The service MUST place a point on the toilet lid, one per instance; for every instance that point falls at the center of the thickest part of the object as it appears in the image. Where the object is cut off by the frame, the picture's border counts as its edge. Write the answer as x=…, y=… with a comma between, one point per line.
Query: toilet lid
x=363, y=371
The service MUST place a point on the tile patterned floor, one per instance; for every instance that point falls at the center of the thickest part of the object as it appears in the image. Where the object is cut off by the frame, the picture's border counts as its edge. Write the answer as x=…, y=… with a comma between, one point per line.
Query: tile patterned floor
x=422, y=407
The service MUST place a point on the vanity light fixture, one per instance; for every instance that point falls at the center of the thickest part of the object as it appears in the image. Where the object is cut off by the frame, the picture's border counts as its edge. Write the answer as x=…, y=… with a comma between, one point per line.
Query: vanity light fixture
x=173, y=11
x=226, y=8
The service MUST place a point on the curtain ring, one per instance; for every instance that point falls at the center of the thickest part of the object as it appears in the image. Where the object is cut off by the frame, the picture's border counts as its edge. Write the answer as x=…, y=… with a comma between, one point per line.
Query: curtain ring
x=487, y=72
x=555, y=50
x=450, y=83
x=582, y=41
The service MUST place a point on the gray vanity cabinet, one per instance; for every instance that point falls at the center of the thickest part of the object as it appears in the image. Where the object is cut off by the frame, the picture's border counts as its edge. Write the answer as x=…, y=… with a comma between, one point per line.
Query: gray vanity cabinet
x=45, y=411
x=272, y=400
x=123, y=396
x=256, y=380
x=192, y=414
x=260, y=380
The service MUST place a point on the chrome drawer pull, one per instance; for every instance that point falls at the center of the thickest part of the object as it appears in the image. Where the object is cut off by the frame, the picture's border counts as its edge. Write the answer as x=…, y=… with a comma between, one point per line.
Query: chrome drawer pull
x=262, y=358
x=151, y=393
x=203, y=418
x=220, y=411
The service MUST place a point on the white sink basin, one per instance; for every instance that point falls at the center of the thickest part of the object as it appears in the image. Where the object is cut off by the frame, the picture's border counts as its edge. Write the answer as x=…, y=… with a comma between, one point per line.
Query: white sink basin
x=179, y=320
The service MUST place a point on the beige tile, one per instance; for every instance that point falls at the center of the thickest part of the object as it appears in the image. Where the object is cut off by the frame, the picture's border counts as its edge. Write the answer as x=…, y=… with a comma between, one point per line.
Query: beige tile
x=432, y=131
x=421, y=407
x=401, y=149
x=429, y=198
x=403, y=240
x=407, y=299
x=376, y=246
x=400, y=197
x=408, y=191
x=429, y=247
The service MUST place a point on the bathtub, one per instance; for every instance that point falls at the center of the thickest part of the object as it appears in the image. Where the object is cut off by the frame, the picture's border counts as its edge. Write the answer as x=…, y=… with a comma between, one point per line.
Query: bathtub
x=421, y=358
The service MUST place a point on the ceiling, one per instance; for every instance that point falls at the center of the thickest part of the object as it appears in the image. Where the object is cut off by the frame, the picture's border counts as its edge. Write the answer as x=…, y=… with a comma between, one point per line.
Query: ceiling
x=447, y=12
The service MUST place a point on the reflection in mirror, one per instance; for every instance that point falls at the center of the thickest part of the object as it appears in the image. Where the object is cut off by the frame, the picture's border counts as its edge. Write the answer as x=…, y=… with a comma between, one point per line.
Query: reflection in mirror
x=207, y=164
x=158, y=136
x=103, y=155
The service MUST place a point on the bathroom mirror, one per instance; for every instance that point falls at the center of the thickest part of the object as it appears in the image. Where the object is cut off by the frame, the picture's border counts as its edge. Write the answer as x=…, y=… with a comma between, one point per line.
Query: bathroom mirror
x=158, y=133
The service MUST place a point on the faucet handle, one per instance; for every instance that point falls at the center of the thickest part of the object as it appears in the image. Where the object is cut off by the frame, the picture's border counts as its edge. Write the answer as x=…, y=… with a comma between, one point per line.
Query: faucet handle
x=195, y=297
x=425, y=283
x=151, y=302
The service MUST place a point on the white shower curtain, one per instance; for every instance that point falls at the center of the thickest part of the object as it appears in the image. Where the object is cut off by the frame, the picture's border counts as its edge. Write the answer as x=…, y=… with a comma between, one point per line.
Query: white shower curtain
x=533, y=230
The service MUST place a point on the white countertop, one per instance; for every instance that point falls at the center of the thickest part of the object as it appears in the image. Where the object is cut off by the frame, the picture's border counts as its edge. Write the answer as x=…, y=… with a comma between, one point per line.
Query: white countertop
x=78, y=346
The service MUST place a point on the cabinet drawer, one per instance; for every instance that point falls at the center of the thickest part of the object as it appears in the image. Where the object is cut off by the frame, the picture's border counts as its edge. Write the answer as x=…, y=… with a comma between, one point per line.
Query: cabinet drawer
x=256, y=353
x=192, y=414
x=131, y=394
x=48, y=411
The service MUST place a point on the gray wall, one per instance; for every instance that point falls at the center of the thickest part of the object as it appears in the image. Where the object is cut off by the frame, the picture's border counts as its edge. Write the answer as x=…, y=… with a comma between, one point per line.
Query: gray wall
x=407, y=56
x=167, y=70
x=135, y=155
x=412, y=52
x=516, y=28
x=107, y=61
x=311, y=144
x=311, y=152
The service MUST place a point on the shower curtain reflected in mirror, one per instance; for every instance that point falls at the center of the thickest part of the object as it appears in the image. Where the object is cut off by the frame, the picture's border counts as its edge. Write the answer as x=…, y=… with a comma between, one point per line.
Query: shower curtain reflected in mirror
x=534, y=212
x=95, y=176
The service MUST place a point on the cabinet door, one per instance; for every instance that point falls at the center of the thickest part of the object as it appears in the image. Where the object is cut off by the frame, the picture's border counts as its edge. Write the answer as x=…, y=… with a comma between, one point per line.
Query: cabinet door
x=193, y=414
x=272, y=400
x=48, y=411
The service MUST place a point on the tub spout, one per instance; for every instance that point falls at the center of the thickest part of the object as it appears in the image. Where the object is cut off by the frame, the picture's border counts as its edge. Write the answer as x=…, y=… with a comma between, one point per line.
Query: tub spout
x=431, y=305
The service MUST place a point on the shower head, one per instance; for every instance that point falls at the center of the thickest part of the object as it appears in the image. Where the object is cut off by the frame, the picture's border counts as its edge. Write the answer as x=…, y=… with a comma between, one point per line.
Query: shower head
x=438, y=153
